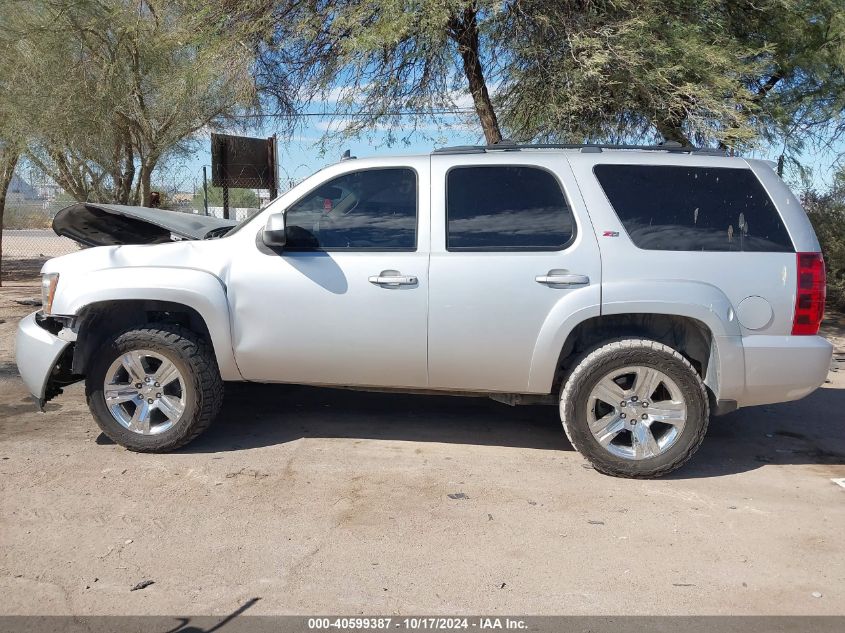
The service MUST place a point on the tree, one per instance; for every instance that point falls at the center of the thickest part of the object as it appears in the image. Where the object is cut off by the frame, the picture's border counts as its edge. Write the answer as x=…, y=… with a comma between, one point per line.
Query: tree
x=9, y=155
x=626, y=69
x=728, y=73
x=376, y=58
x=11, y=138
x=109, y=88
x=826, y=211
x=799, y=91
x=562, y=69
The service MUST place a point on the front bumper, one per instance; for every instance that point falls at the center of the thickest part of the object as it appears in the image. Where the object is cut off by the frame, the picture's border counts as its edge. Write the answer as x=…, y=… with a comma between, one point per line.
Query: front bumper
x=37, y=352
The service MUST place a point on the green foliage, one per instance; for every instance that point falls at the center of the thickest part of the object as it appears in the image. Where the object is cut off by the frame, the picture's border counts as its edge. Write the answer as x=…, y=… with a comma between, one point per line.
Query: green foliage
x=799, y=91
x=238, y=198
x=827, y=213
x=627, y=68
x=370, y=58
x=732, y=73
x=107, y=89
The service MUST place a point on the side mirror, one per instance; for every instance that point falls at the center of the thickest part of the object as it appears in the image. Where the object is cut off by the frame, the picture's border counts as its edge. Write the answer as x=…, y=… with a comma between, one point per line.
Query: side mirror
x=274, y=234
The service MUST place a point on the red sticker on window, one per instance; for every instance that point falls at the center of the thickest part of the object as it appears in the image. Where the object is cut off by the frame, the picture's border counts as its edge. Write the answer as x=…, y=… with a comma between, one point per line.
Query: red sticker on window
x=327, y=205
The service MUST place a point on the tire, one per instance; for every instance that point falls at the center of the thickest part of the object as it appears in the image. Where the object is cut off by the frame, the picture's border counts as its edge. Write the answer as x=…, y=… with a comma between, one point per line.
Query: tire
x=177, y=411
x=660, y=440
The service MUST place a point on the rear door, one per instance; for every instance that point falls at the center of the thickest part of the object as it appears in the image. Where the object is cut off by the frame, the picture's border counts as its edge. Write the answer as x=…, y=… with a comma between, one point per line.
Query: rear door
x=511, y=241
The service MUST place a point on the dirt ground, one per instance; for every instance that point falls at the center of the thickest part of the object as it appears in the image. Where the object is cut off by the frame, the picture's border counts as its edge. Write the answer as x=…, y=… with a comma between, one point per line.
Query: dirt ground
x=323, y=501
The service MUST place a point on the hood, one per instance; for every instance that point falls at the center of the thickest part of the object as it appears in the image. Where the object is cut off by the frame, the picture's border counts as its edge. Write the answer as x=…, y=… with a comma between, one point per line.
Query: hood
x=94, y=224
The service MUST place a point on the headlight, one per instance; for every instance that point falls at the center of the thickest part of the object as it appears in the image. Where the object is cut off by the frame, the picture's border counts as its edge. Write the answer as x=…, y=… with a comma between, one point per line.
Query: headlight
x=48, y=291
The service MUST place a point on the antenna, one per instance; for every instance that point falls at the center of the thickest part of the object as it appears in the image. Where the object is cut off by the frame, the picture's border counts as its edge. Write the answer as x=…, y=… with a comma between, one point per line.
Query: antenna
x=347, y=155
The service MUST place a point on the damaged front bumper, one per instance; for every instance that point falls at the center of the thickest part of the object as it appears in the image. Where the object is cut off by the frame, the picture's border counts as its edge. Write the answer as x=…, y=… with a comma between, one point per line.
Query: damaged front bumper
x=42, y=359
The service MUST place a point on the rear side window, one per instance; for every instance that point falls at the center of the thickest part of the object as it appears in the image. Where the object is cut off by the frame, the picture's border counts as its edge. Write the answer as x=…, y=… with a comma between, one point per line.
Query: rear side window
x=673, y=208
x=505, y=208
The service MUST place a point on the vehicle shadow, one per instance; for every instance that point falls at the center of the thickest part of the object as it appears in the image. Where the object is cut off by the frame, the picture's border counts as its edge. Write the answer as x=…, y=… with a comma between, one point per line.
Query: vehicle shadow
x=810, y=431
x=261, y=415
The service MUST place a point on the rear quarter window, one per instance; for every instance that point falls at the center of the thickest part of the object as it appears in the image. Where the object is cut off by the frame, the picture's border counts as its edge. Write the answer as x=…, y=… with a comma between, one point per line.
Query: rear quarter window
x=676, y=208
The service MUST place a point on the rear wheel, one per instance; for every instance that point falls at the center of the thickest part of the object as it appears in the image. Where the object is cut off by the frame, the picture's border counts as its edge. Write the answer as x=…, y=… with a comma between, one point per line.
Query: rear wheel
x=154, y=389
x=634, y=408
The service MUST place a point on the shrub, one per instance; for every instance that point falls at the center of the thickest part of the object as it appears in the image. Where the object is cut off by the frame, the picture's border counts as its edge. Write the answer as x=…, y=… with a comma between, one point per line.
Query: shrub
x=827, y=213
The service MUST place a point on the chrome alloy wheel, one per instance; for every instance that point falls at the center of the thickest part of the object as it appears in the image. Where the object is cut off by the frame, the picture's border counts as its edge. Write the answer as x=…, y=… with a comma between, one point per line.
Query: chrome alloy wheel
x=636, y=412
x=144, y=392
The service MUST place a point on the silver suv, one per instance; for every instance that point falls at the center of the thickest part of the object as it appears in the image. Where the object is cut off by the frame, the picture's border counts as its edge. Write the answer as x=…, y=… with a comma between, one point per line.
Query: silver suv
x=639, y=289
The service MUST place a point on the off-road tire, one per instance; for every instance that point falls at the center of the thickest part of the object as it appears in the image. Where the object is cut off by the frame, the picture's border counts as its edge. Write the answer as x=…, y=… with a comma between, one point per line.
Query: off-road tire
x=195, y=360
x=591, y=366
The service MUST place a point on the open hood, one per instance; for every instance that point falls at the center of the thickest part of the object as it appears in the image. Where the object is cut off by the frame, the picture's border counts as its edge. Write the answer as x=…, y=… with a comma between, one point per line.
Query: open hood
x=95, y=224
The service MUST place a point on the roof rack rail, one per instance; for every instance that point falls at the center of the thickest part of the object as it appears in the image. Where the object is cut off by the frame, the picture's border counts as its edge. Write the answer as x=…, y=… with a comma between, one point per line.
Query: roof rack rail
x=510, y=146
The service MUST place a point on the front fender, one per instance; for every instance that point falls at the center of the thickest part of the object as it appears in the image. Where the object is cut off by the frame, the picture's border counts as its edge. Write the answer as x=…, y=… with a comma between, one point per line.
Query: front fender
x=197, y=289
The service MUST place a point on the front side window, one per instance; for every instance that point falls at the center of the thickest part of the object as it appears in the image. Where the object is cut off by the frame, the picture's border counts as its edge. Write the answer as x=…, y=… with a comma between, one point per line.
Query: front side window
x=374, y=209
x=674, y=208
x=505, y=208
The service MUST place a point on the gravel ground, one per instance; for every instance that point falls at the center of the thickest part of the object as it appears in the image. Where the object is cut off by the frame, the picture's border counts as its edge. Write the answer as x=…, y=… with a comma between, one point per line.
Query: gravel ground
x=323, y=501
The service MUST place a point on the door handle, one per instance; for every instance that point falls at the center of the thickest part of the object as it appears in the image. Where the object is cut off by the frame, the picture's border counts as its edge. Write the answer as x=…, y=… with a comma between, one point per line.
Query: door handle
x=392, y=278
x=562, y=278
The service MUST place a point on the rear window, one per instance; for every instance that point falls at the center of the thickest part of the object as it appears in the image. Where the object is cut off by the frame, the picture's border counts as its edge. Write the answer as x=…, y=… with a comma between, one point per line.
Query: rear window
x=673, y=208
x=505, y=208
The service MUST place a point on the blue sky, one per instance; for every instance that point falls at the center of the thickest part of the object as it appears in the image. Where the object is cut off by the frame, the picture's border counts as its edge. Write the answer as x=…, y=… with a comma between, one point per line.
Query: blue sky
x=318, y=142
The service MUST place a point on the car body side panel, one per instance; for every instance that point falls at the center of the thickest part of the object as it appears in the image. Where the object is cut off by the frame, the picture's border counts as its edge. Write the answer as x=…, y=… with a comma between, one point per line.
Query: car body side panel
x=737, y=274
x=314, y=317
x=710, y=286
x=489, y=319
x=567, y=313
x=694, y=299
x=197, y=289
x=478, y=321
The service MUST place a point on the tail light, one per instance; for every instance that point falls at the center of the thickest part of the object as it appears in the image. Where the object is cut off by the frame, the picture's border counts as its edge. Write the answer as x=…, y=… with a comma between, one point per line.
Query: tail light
x=810, y=294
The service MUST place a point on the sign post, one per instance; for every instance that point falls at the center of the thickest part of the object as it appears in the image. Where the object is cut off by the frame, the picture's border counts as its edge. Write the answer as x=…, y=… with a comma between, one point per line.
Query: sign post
x=242, y=162
x=205, y=189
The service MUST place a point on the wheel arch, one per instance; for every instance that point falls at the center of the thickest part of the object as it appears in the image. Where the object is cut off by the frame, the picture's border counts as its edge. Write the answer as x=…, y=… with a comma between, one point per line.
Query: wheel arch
x=114, y=299
x=642, y=308
x=690, y=337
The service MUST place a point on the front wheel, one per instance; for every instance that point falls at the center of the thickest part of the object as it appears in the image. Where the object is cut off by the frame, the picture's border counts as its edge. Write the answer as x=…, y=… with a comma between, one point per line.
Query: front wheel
x=154, y=389
x=634, y=408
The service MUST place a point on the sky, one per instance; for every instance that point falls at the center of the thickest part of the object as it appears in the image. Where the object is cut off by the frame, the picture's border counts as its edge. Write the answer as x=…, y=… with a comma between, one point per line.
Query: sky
x=318, y=142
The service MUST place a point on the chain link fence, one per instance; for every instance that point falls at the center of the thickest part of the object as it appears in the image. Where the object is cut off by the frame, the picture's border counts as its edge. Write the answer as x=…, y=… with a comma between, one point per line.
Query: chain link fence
x=28, y=238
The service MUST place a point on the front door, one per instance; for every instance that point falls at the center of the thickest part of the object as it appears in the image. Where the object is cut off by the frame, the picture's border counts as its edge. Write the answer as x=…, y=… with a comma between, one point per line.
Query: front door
x=513, y=255
x=345, y=302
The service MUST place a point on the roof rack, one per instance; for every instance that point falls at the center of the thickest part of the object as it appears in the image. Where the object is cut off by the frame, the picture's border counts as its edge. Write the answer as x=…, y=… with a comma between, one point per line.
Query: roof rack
x=587, y=148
